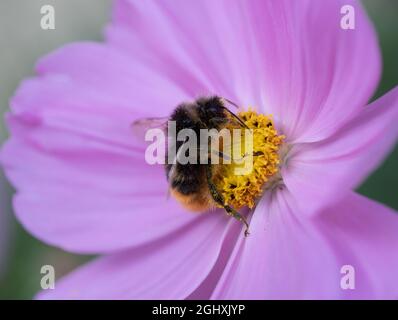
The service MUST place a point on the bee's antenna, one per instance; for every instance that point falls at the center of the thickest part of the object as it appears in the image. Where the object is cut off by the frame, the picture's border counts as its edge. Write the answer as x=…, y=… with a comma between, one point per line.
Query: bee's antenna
x=231, y=103
x=233, y=114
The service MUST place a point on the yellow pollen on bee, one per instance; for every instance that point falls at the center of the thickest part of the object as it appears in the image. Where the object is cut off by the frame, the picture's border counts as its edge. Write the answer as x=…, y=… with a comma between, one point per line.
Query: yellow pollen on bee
x=242, y=190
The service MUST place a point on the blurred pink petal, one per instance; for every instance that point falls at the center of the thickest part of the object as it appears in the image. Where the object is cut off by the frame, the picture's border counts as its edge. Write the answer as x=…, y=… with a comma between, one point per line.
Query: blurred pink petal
x=72, y=137
x=89, y=206
x=322, y=172
x=171, y=268
x=363, y=233
x=289, y=256
x=285, y=257
x=289, y=58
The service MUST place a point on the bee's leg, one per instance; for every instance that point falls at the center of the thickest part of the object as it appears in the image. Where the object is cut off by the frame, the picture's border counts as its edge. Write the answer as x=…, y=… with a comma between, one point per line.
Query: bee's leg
x=220, y=200
x=231, y=211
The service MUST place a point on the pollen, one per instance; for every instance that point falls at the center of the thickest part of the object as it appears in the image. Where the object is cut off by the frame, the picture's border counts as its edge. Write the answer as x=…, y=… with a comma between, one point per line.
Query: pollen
x=242, y=190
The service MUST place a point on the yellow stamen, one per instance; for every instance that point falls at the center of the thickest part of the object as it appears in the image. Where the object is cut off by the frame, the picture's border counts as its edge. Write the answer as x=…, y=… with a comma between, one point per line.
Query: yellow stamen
x=243, y=190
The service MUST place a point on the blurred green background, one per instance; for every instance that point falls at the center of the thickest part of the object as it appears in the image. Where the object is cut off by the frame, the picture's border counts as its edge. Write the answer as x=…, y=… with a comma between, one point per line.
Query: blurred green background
x=23, y=42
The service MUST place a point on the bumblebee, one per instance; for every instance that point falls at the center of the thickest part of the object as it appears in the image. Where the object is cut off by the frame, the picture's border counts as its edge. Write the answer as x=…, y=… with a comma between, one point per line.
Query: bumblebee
x=192, y=184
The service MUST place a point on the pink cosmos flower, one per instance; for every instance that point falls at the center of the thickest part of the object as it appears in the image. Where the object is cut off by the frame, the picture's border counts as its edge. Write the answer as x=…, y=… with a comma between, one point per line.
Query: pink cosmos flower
x=83, y=185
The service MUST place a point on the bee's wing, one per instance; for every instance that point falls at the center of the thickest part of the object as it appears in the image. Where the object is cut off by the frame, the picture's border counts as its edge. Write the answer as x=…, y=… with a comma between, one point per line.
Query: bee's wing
x=141, y=126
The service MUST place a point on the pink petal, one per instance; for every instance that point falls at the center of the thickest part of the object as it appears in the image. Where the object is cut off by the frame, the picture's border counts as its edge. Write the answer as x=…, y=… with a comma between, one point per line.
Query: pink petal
x=81, y=178
x=284, y=257
x=86, y=199
x=113, y=76
x=290, y=256
x=168, y=269
x=363, y=233
x=289, y=58
x=322, y=172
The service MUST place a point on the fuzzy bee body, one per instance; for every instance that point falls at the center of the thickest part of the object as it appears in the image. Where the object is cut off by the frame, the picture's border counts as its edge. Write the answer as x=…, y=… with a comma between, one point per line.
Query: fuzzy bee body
x=191, y=183
x=188, y=181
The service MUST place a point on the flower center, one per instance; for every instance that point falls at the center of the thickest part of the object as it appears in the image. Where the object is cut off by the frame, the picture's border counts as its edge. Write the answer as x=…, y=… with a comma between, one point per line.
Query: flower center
x=243, y=190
